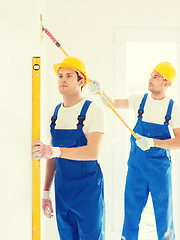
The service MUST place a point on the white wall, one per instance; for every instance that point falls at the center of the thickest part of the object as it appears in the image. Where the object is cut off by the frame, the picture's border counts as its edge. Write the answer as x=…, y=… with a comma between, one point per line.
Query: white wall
x=85, y=29
x=19, y=42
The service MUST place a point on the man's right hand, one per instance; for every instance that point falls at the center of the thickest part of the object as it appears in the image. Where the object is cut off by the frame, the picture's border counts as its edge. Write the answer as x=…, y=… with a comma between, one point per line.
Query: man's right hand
x=93, y=86
x=47, y=204
x=41, y=150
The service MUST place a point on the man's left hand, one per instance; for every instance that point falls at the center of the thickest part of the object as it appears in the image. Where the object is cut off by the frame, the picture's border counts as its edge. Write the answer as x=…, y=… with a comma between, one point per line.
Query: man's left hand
x=144, y=143
x=93, y=86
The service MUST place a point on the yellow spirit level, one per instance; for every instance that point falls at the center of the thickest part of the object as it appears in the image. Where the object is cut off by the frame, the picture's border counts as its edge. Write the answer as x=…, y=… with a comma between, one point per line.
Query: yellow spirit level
x=36, y=82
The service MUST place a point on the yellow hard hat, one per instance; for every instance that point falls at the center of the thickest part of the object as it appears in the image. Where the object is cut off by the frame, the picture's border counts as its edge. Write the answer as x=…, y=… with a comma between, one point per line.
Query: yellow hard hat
x=167, y=70
x=73, y=63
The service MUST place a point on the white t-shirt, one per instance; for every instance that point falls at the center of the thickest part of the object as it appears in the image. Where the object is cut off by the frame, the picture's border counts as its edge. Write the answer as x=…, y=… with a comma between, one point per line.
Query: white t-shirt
x=94, y=121
x=155, y=110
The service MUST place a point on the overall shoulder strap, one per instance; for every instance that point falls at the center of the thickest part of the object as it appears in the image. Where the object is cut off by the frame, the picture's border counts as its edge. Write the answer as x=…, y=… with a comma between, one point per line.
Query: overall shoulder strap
x=141, y=107
x=54, y=117
x=82, y=115
x=169, y=111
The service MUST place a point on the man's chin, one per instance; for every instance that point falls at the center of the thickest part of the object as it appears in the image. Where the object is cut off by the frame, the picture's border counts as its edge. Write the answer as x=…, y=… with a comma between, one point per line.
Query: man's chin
x=62, y=90
x=149, y=88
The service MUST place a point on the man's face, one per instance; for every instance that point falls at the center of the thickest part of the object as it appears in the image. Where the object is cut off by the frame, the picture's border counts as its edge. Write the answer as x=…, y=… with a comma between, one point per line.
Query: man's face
x=68, y=81
x=157, y=83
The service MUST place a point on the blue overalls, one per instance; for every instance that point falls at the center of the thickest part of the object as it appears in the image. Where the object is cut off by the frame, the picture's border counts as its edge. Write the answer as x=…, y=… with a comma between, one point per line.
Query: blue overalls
x=149, y=171
x=79, y=187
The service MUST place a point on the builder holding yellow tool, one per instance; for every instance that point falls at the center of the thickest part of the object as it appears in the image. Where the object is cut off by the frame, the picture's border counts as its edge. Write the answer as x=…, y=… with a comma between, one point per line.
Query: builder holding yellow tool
x=77, y=129
x=149, y=164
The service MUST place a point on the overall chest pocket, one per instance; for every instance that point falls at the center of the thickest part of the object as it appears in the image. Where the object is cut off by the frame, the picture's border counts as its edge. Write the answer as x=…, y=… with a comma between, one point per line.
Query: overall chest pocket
x=64, y=138
x=156, y=131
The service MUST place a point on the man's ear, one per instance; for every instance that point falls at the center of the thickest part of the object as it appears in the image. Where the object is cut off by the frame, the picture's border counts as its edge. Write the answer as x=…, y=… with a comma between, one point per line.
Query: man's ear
x=167, y=83
x=82, y=82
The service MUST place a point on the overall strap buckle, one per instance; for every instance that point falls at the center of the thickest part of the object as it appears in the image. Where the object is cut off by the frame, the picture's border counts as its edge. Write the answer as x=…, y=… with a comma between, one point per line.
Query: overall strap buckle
x=54, y=117
x=82, y=115
x=169, y=111
x=53, y=120
x=81, y=119
x=140, y=113
x=142, y=104
x=167, y=119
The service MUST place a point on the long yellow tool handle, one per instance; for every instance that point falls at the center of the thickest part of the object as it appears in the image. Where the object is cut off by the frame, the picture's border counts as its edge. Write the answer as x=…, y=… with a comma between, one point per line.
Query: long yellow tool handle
x=36, y=63
x=63, y=51
x=110, y=106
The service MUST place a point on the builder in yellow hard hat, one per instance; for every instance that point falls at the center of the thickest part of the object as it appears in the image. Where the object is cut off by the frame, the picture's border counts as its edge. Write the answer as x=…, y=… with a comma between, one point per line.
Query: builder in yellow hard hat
x=149, y=164
x=77, y=129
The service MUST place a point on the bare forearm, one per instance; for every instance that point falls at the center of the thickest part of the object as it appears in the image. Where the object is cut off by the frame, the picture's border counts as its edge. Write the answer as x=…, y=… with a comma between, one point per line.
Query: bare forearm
x=80, y=153
x=173, y=143
x=50, y=171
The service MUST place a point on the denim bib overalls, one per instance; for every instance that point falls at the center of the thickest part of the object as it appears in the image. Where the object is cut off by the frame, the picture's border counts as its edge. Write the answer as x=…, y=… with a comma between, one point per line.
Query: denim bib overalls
x=149, y=171
x=79, y=186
